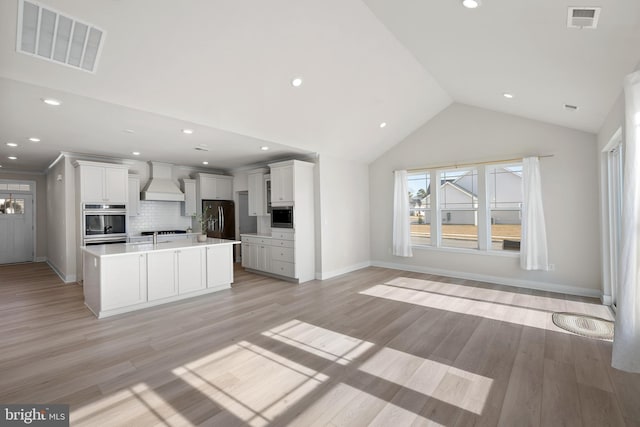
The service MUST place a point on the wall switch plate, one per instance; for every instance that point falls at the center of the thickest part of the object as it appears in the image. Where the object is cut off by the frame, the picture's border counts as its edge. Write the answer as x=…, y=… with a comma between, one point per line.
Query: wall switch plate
x=552, y=267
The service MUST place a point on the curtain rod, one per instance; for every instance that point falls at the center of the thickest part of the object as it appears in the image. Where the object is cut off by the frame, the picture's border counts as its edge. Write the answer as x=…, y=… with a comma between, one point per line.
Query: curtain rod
x=457, y=165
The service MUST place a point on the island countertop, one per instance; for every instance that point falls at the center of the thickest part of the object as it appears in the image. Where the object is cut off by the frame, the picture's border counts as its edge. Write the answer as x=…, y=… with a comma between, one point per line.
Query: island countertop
x=130, y=248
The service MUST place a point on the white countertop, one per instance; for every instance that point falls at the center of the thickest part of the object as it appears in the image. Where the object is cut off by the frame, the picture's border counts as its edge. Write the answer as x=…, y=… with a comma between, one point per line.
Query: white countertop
x=129, y=248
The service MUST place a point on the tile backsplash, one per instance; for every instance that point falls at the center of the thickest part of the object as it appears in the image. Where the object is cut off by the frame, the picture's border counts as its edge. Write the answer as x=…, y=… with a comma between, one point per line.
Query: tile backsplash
x=155, y=216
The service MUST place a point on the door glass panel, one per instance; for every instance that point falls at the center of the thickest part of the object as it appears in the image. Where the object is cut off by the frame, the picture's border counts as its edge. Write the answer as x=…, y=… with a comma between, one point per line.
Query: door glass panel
x=12, y=206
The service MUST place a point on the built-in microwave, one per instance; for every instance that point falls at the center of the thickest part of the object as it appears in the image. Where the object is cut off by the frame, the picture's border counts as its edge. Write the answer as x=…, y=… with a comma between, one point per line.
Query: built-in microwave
x=104, y=223
x=282, y=216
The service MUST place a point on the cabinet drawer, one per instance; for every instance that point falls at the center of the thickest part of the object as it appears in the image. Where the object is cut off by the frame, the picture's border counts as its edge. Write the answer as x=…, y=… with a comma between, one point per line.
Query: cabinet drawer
x=282, y=243
x=256, y=240
x=282, y=254
x=283, y=235
x=283, y=268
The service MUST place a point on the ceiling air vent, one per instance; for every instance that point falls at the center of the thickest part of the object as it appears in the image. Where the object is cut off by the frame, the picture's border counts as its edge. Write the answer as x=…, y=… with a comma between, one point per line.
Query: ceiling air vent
x=50, y=35
x=583, y=17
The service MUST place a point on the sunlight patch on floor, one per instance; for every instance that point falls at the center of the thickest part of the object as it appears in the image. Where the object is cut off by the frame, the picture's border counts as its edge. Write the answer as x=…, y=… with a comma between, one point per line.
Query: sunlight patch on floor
x=451, y=385
x=250, y=382
x=330, y=345
x=464, y=305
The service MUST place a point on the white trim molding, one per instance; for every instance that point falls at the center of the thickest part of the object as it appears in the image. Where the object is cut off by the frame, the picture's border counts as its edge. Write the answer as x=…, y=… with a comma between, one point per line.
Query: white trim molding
x=606, y=299
x=331, y=274
x=71, y=278
x=518, y=283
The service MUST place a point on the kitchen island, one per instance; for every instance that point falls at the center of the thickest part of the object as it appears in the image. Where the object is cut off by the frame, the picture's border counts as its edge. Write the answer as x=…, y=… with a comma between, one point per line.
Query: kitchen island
x=124, y=277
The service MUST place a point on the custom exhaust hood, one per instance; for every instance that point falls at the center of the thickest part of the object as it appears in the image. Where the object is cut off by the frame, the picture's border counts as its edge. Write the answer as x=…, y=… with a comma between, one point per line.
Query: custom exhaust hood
x=160, y=186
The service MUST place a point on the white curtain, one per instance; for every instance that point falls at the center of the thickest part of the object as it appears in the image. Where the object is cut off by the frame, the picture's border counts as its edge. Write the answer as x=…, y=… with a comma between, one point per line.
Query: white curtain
x=533, y=247
x=401, y=224
x=626, y=344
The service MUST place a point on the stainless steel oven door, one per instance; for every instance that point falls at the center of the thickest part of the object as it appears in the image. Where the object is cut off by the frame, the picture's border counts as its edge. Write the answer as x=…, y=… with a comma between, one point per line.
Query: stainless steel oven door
x=105, y=240
x=104, y=223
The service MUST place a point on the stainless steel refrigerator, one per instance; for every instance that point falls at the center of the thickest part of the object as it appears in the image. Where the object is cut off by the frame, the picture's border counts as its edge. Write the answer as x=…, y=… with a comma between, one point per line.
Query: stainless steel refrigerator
x=221, y=218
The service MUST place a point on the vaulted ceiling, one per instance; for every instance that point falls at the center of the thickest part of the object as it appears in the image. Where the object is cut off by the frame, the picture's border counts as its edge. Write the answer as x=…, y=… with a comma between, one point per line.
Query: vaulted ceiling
x=224, y=68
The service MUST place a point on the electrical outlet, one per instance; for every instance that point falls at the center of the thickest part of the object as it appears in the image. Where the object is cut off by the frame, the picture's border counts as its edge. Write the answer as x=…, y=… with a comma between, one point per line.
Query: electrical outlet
x=551, y=267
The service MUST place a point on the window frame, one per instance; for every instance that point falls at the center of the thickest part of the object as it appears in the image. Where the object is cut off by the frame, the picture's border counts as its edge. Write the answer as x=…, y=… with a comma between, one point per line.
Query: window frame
x=484, y=210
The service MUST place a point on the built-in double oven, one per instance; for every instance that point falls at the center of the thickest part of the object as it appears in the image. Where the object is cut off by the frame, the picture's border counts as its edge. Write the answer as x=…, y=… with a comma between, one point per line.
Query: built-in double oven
x=104, y=224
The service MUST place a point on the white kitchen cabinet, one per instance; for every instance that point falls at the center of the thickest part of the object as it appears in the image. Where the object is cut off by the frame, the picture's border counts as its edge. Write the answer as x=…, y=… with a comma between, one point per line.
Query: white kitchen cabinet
x=249, y=255
x=263, y=258
x=188, y=187
x=256, y=194
x=191, y=269
x=213, y=187
x=102, y=182
x=121, y=278
x=161, y=275
x=126, y=279
x=219, y=275
x=282, y=185
x=133, y=207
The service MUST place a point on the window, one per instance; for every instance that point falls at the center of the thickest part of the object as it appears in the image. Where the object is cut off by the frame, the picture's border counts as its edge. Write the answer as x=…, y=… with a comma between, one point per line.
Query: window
x=505, y=204
x=458, y=210
x=478, y=207
x=420, y=207
x=11, y=206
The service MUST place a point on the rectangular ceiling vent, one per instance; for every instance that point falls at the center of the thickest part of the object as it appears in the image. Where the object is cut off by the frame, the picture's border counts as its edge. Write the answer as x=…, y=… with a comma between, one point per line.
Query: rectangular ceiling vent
x=583, y=17
x=50, y=35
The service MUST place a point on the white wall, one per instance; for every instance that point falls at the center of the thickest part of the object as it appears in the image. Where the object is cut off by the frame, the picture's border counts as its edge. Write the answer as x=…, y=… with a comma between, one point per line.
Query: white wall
x=61, y=226
x=343, y=220
x=463, y=134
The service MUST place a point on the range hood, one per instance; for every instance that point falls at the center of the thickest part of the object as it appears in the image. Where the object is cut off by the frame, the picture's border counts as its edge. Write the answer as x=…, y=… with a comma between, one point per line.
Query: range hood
x=160, y=186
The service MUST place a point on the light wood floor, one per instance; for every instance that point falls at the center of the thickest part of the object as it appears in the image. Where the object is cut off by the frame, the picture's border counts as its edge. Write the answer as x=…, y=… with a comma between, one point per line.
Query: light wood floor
x=374, y=347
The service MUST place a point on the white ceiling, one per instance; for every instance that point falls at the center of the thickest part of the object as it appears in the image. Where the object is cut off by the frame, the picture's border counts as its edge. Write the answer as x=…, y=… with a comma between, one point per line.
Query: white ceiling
x=224, y=68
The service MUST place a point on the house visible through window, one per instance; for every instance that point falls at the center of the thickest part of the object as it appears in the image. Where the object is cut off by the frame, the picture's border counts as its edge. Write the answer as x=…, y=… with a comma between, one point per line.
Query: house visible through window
x=465, y=205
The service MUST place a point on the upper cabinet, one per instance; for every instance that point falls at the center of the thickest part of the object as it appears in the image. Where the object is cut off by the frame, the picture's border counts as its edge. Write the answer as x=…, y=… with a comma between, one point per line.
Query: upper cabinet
x=133, y=208
x=188, y=187
x=289, y=179
x=256, y=193
x=213, y=187
x=282, y=185
x=102, y=182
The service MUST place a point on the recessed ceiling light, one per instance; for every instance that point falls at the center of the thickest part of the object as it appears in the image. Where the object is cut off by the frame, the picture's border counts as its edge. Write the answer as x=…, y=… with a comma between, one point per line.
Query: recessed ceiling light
x=187, y=131
x=296, y=82
x=136, y=153
x=51, y=101
x=205, y=163
x=264, y=148
x=471, y=4
x=12, y=144
x=383, y=125
x=129, y=131
x=34, y=139
x=507, y=95
x=12, y=158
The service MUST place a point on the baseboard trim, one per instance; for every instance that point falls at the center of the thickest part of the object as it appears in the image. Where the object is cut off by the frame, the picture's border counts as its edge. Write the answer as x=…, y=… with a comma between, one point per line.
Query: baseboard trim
x=606, y=299
x=41, y=259
x=71, y=278
x=330, y=274
x=519, y=283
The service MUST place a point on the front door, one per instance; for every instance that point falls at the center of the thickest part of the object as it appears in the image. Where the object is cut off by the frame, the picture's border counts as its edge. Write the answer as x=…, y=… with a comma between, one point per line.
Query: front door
x=16, y=227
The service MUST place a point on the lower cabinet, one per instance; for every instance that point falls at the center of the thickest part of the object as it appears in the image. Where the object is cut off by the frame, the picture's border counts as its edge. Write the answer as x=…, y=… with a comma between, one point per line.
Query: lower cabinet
x=114, y=284
x=191, y=270
x=219, y=258
x=127, y=279
x=162, y=280
x=176, y=272
x=271, y=255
